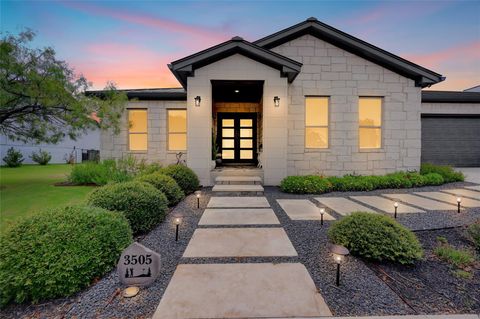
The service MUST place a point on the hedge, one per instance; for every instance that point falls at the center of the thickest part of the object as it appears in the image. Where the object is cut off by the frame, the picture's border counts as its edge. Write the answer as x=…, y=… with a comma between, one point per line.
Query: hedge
x=184, y=176
x=447, y=172
x=57, y=252
x=166, y=185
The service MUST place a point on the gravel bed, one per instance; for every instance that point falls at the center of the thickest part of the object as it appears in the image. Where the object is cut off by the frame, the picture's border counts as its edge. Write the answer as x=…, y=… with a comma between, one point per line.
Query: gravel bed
x=103, y=299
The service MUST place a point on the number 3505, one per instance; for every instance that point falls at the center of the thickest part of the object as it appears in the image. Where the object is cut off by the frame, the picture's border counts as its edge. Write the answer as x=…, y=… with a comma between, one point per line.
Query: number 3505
x=137, y=259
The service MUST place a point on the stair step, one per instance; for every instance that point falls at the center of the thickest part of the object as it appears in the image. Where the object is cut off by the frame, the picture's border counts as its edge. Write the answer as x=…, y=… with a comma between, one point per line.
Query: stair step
x=236, y=179
x=238, y=188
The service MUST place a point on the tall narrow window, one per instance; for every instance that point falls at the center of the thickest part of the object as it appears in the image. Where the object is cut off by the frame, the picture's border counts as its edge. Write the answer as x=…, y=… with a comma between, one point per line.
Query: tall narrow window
x=316, y=122
x=370, y=122
x=137, y=130
x=177, y=130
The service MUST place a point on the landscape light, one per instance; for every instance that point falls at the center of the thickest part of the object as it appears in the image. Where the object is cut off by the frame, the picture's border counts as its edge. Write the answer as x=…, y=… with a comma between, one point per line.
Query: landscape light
x=459, y=202
x=177, y=221
x=395, y=205
x=198, y=194
x=339, y=252
x=322, y=211
x=198, y=99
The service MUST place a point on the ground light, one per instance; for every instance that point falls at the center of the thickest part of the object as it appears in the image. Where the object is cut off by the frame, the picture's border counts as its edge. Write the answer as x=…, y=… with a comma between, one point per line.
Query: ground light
x=395, y=205
x=459, y=203
x=177, y=221
x=322, y=211
x=131, y=291
x=198, y=194
x=339, y=252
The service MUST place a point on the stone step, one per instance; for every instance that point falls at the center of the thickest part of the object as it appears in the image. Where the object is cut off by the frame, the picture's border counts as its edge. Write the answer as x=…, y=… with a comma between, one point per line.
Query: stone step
x=238, y=189
x=238, y=179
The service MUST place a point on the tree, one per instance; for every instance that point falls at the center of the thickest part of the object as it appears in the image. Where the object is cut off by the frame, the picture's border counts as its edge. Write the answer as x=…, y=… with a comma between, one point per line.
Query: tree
x=43, y=100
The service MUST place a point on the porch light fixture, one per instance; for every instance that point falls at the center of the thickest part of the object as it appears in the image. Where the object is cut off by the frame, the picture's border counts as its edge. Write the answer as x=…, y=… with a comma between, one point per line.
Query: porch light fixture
x=322, y=211
x=339, y=252
x=276, y=101
x=177, y=221
x=198, y=99
x=395, y=205
x=198, y=194
x=459, y=202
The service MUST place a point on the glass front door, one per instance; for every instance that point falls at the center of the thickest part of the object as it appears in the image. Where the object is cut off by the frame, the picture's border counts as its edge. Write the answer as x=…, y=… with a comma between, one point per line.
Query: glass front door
x=237, y=137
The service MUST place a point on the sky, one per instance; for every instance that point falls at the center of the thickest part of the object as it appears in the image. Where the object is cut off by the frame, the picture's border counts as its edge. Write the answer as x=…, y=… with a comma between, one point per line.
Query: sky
x=131, y=42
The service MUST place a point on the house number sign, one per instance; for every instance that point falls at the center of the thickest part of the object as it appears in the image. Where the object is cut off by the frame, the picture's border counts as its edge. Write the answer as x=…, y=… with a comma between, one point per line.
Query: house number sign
x=138, y=265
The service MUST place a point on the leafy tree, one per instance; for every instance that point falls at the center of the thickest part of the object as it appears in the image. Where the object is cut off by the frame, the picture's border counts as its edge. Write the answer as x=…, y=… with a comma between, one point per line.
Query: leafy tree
x=43, y=100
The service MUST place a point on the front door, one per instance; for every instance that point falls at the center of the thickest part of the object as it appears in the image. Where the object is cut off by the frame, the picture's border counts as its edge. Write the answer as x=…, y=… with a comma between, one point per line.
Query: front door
x=237, y=137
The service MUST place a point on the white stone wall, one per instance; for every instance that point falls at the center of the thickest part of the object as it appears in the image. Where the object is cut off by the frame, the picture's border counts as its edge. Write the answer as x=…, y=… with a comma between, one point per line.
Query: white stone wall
x=450, y=108
x=116, y=146
x=238, y=67
x=330, y=71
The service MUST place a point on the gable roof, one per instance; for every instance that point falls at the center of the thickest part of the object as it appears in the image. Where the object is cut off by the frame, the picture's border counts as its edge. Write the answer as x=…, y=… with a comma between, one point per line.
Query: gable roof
x=450, y=97
x=186, y=67
x=423, y=77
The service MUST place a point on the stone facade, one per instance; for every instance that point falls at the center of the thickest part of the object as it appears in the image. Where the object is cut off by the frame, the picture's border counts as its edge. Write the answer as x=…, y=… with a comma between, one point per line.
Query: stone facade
x=330, y=71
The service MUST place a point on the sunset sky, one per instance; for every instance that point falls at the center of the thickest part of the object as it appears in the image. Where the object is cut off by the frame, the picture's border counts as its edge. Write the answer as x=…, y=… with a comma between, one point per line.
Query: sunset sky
x=131, y=42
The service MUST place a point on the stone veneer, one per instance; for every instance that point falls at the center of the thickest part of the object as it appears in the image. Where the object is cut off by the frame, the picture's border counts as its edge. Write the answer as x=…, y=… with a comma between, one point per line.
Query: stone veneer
x=330, y=71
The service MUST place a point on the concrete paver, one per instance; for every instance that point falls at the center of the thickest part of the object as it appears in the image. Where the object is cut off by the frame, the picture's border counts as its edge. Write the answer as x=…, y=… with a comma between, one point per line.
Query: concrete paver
x=343, y=206
x=238, y=202
x=302, y=209
x=239, y=216
x=386, y=205
x=475, y=188
x=425, y=203
x=452, y=199
x=463, y=192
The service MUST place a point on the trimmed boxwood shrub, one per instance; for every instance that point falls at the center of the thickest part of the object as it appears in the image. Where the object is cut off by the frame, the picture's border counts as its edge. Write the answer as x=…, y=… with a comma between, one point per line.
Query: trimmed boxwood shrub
x=57, y=252
x=310, y=184
x=376, y=237
x=166, y=185
x=447, y=172
x=143, y=205
x=184, y=176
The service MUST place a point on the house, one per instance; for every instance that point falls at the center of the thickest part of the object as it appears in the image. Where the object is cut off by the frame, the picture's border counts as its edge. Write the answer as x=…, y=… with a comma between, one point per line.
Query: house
x=309, y=99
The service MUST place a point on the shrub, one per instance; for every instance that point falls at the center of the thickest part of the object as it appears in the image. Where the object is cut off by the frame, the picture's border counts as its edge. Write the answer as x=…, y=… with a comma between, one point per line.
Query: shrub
x=98, y=173
x=473, y=232
x=143, y=205
x=310, y=184
x=42, y=157
x=184, y=176
x=376, y=237
x=166, y=185
x=447, y=172
x=416, y=179
x=13, y=158
x=352, y=183
x=433, y=179
x=55, y=253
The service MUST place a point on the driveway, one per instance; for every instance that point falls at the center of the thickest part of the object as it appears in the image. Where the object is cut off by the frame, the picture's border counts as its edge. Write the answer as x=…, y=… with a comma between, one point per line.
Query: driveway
x=472, y=174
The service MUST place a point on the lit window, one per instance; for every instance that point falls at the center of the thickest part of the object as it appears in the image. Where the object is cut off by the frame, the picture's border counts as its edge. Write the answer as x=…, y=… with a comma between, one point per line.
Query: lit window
x=316, y=122
x=370, y=122
x=177, y=130
x=137, y=130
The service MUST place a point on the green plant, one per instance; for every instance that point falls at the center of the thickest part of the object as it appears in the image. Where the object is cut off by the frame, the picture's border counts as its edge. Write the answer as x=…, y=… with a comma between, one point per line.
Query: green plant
x=447, y=172
x=473, y=233
x=42, y=157
x=433, y=179
x=462, y=274
x=166, y=185
x=143, y=205
x=416, y=179
x=57, y=252
x=376, y=237
x=184, y=176
x=13, y=158
x=456, y=257
x=309, y=184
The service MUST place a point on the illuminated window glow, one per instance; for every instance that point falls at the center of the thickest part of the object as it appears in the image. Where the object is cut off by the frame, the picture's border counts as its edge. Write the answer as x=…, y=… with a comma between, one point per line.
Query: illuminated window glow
x=137, y=130
x=370, y=122
x=316, y=122
x=177, y=130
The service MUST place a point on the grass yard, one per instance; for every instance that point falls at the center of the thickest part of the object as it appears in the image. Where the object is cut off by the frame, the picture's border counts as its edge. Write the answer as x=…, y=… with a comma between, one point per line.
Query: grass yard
x=29, y=188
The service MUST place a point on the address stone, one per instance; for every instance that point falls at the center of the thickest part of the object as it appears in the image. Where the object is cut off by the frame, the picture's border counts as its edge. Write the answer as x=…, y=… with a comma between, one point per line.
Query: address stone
x=138, y=265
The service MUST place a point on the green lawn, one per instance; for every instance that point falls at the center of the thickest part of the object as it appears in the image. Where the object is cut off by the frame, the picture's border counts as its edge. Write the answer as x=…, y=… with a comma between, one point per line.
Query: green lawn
x=29, y=188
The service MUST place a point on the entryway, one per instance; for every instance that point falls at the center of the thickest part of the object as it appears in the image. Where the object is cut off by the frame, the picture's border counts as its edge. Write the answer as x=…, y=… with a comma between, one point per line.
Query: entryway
x=237, y=137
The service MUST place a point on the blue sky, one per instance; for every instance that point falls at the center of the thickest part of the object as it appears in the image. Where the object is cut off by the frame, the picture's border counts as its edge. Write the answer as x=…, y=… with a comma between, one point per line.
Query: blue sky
x=130, y=42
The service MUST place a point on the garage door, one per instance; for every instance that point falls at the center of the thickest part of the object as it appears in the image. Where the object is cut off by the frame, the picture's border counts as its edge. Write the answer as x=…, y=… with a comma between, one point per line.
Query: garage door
x=449, y=140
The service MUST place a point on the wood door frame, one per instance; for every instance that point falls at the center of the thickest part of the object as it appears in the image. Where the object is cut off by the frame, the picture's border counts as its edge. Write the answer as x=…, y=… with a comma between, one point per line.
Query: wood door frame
x=236, y=117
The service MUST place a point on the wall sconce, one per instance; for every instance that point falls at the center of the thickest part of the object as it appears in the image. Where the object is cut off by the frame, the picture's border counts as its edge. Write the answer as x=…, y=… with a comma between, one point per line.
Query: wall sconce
x=395, y=205
x=276, y=101
x=339, y=253
x=198, y=99
x=459, y=203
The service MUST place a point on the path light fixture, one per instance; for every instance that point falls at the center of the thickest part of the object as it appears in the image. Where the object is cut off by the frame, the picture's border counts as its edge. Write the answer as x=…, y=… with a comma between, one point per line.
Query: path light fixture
x=395, y=205
x=459, y=203
x=177, y=221
x=339, y=252
x=276, y=101
x=322, y=211
x=198, y=194
x=198, y=99
x=131, y=291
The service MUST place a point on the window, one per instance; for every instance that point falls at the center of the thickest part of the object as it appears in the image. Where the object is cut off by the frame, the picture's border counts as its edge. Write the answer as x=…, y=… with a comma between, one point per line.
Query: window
x=137, y=130
x=177, y=130
x=316, y=122
x=370, y=122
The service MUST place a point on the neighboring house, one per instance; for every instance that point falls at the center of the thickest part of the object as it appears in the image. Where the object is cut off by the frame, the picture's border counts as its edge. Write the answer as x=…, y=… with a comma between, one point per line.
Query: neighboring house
x=309, y=99
x=473, y=89
x=88, y=141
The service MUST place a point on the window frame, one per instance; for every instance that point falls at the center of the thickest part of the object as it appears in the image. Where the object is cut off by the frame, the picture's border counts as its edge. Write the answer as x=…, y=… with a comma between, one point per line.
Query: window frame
x=371, y=126
x=136, y=133
x=176, y=133
x=317, y=126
